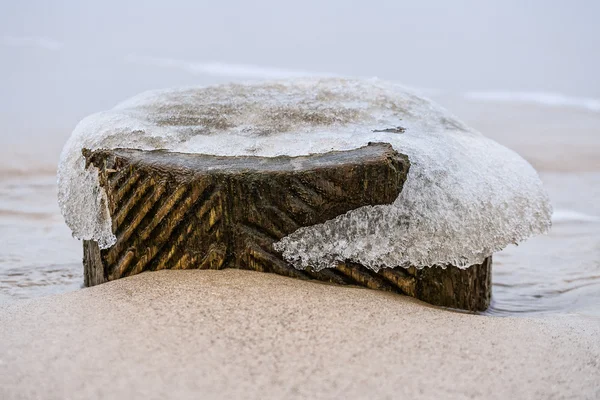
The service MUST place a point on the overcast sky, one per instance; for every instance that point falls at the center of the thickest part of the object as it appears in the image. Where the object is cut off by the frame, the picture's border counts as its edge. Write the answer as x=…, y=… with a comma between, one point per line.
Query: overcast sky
x=61, y=60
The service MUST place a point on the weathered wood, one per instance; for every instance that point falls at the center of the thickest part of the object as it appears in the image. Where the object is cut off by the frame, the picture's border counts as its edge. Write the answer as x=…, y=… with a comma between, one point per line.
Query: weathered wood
x=468, y=289
x=183, y=211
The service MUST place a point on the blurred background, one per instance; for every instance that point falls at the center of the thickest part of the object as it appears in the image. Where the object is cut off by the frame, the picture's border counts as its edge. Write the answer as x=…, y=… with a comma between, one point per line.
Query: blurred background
x=521, y=72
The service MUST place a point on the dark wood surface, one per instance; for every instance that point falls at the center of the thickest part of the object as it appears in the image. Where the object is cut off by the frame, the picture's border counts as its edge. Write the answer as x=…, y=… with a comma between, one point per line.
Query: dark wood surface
x=182, y=211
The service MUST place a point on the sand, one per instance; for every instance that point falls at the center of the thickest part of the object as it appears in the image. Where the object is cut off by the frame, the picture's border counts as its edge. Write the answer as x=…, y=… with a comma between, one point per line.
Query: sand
x=241, y=334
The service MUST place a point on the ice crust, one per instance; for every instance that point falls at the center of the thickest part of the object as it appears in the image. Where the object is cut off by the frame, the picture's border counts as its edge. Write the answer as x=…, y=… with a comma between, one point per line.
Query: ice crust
x=466, y=196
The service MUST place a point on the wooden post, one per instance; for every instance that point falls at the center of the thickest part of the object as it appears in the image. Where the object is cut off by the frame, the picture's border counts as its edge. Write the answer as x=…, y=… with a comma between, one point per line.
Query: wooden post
x=182, y=211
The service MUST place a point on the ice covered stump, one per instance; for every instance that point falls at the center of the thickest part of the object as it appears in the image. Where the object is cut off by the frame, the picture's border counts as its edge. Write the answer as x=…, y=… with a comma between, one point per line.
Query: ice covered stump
x=465, y=198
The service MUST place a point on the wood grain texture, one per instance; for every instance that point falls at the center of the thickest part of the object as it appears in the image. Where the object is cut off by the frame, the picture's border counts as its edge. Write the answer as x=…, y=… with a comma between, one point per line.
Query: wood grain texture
x=183, y=211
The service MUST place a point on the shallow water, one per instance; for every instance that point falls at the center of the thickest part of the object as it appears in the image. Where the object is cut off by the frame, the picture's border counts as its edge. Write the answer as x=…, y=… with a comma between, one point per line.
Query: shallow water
x=38, y=255
x=558, y=272
x=554, y=274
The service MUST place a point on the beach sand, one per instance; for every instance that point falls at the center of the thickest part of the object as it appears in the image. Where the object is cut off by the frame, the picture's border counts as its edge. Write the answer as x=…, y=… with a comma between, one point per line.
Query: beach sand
x=241, y=334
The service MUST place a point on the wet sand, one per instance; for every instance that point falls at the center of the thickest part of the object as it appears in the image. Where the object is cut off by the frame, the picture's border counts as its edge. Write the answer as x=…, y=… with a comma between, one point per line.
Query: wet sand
x=241, y=334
